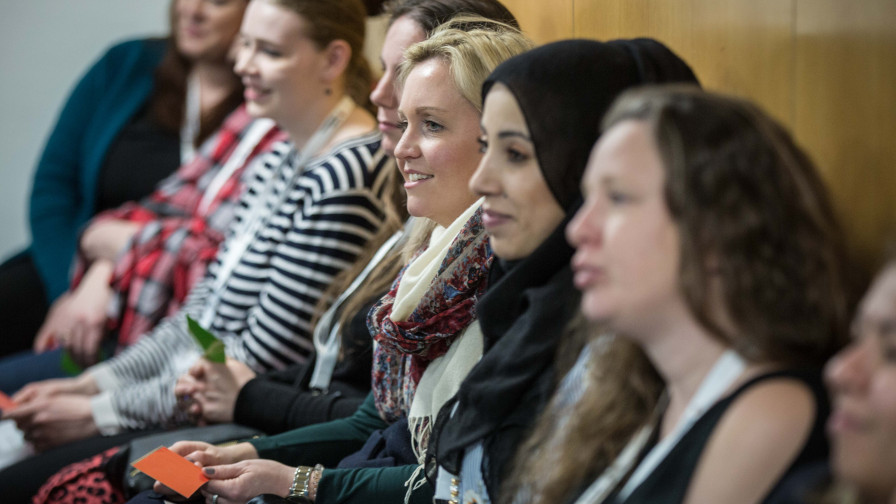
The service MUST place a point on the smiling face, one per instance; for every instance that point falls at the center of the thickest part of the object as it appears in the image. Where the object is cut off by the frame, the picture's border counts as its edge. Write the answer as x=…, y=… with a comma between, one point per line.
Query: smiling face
x=627, y=245
x=206, y=29
x=519, y=211
x=403, y=33
x=281, y=68
x=438, y=150
x=862, y=381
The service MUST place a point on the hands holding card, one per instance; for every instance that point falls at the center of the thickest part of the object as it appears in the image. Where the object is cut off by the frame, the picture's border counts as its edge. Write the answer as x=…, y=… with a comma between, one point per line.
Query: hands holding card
x=233, y=473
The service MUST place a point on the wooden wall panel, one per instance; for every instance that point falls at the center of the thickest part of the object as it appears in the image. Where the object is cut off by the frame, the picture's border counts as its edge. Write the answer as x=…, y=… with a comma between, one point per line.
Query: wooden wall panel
x=825, y=68
x=543, y=20
x=845, y=110
x=742, y=47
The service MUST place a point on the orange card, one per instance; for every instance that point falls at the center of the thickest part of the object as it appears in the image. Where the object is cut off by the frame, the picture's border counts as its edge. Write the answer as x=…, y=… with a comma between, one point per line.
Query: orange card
x=172, y=470
x=7, y=404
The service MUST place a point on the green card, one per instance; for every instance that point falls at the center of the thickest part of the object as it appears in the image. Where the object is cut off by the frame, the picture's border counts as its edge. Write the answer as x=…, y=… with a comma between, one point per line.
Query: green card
x=213, y=348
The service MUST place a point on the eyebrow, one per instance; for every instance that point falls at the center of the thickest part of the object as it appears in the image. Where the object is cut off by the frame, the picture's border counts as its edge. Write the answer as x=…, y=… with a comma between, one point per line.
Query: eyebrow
x=424, y=109
x=514, y=134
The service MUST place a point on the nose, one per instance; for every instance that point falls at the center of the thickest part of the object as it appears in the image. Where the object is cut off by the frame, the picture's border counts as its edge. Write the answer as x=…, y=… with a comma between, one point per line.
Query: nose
x=485, y=181
x=848, y=371
x=585, y=226
x=189, y=8
x=407, y=147
x=383, y=95
x=242, y=64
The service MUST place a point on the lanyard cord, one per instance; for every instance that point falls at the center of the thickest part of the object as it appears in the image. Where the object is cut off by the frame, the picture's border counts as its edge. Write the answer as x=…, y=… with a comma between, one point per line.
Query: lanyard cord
x=259, y=211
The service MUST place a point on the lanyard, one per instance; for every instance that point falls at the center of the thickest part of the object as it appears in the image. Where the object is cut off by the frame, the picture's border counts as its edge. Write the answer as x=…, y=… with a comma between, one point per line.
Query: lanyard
x=259, y=212
x=259, y=128
x=192, y=116
x=727, y=368
x=327, y=344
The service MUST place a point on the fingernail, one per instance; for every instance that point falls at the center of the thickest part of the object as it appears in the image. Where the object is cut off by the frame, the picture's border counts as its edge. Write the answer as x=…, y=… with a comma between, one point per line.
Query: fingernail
x=209, y=470
x=189, y=459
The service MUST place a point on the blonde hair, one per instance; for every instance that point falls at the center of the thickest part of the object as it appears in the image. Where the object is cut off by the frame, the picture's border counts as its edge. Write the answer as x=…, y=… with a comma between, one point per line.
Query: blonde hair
x=504, y=42
x=471, y=46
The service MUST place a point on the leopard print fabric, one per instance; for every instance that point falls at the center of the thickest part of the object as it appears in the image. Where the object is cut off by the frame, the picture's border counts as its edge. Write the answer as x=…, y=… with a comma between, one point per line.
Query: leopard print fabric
x=84, y=482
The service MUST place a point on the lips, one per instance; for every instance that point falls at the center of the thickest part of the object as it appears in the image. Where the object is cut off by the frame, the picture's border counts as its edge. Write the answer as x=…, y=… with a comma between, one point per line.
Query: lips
x=843, y=422
x=386, y=124
x=415, y=178
x=254, y=93
x=492, y=219
x=586, y=275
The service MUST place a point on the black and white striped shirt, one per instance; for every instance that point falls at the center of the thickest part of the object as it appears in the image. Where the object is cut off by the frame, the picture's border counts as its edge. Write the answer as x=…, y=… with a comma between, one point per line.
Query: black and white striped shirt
x=266, y=304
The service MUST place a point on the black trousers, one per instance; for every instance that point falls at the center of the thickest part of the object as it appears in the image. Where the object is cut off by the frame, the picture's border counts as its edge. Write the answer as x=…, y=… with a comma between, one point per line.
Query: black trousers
x=23, y=304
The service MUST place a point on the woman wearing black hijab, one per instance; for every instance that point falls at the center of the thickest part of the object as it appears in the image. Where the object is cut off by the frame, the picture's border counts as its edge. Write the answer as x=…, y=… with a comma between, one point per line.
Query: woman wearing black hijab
x=541, y=117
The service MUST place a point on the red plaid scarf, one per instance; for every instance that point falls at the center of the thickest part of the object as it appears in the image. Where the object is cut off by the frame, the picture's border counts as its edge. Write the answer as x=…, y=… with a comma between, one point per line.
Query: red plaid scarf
x=175, y=244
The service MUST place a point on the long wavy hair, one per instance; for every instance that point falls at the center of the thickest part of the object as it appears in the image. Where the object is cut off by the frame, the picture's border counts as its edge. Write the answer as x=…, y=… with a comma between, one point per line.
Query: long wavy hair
x=759, y=239
x=167, y=104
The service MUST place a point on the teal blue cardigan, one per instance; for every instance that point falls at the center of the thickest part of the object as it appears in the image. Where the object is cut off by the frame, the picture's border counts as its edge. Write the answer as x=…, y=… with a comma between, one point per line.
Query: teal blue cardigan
x=63, y=194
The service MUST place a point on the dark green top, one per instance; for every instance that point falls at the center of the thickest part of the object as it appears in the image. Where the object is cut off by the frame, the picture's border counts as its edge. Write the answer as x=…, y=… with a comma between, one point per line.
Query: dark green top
x=327, y=444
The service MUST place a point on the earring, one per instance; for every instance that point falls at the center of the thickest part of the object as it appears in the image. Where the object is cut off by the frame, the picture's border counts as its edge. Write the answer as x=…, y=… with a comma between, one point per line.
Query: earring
x=328, y=91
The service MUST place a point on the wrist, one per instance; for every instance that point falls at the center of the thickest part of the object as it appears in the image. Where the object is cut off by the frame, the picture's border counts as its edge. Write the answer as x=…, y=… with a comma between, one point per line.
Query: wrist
x=304, y=483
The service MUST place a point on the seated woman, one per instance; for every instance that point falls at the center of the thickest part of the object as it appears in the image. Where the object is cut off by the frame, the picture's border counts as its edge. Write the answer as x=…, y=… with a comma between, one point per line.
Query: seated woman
x=310, y=208
x=862, y=426
x=133, y=118
x=148, y=254
x=279, y=401
x=541, y=117
x=708, y=248
x=425, y=333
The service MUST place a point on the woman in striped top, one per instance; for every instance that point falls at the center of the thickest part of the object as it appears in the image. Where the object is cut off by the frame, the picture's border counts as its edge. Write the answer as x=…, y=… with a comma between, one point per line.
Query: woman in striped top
x=310, y=207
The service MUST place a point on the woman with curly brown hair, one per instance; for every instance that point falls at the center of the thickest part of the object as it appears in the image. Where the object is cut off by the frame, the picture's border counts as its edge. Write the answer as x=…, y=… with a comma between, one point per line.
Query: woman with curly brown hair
x=708, y=247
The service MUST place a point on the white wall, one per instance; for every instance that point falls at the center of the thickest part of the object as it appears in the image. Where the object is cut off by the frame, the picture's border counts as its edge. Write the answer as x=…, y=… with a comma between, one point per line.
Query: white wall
x=45, y=45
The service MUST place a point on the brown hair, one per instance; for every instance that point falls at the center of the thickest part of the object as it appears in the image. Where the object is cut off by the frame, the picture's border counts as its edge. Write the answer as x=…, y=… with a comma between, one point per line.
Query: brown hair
x=429, y=14
x=167, y=104
x=329, y=20
x=759, y=237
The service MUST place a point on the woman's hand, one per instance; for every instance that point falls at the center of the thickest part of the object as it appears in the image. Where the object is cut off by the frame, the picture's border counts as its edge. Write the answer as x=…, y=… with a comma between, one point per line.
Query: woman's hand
x=52, y=421
x=237, y=483
x=83, y=384
x=221, y=385
x=77, y=320
x=205, y=454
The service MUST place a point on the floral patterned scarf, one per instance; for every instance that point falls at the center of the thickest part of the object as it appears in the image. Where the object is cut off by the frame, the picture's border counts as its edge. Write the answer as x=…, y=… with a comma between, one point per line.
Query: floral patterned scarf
x=403, y=349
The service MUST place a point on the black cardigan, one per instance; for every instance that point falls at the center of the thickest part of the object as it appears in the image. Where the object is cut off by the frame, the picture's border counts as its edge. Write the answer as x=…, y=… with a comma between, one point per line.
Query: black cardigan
x=279, y=401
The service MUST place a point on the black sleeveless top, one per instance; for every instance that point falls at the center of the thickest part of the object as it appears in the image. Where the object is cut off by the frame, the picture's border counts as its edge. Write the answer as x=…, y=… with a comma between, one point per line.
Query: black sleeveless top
x=669, y=482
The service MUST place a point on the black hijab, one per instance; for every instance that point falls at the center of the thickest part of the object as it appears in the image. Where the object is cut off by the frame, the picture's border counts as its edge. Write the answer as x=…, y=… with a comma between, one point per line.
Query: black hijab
x=563, y=90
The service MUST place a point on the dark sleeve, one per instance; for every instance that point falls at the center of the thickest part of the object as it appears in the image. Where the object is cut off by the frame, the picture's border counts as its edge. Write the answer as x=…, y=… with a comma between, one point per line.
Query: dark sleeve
x=381, y=484
x=325, y=443
x=276, y=407
x=280, y=401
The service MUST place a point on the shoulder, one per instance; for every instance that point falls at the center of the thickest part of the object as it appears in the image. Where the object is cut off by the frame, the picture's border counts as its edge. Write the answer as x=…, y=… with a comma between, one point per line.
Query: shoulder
x=355, y=164
x=152, y=48
x=756, y=440
x=781, y=410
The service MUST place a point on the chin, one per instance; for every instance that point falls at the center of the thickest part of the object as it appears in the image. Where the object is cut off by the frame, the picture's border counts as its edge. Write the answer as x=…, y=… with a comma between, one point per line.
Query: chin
x=594, y=308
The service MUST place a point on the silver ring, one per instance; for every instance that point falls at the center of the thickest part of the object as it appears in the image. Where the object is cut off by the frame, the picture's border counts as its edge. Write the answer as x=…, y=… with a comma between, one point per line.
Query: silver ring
x=215, y=499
